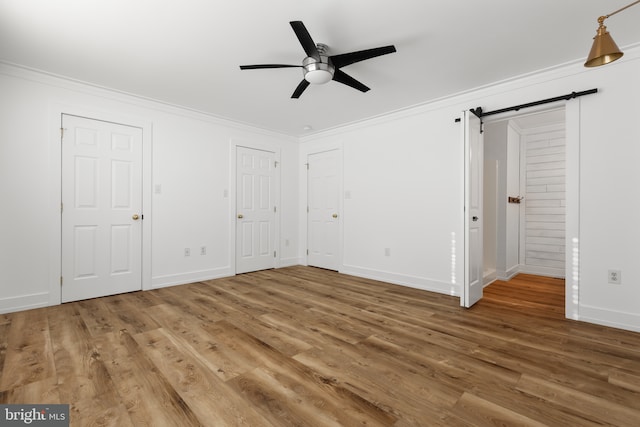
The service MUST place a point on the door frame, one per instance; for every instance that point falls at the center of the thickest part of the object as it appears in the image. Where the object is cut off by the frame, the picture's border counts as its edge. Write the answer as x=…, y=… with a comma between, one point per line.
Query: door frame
x=572, y=225
x=55, y=174
x=234, y=143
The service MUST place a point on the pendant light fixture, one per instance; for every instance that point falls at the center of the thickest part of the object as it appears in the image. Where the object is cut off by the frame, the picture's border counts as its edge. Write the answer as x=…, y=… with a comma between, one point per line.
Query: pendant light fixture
x=604, y=49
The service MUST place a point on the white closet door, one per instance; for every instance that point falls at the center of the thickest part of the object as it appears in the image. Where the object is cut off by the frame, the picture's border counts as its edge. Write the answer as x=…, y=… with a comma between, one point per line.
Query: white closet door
x=255, y=210
x=101, y=208
x=323, y=210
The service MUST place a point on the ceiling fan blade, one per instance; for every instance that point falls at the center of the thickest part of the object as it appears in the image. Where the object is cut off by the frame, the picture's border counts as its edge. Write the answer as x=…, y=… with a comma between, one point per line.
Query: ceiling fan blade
x=301, y=87
x=344, y=78
x=352, y=57
x=260, y=66
x=305, y=39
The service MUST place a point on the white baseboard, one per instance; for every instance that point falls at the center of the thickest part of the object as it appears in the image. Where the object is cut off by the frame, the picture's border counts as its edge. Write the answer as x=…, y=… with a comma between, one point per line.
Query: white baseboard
x=489, y=277
x=527, y=269
x=542, y=271
x=191, y=277
x=289, y=262
x=24, y=302
x=404, y=280
x=507, y=275
x=614, y=319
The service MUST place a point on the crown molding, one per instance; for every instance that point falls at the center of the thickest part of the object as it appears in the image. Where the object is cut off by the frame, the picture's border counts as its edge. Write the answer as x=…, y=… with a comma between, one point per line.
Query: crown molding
x=70, y=84
x=475, y=95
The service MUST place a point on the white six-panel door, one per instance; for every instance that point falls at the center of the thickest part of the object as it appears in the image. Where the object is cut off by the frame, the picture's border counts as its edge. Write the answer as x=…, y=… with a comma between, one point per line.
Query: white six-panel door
x=323, y=209
x=255, y=210
x=473, y=239
x=101, y=208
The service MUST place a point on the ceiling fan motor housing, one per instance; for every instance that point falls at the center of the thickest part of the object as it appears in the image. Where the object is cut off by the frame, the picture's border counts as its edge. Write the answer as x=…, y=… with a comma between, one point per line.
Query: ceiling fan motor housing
x=318, y=71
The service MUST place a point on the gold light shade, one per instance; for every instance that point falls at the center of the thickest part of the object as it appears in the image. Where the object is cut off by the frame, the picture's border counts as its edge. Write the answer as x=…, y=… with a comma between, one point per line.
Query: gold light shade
x=604, y=49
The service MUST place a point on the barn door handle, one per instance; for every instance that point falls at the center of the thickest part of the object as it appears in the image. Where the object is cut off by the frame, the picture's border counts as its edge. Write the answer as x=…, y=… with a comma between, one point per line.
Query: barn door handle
x=474, y=219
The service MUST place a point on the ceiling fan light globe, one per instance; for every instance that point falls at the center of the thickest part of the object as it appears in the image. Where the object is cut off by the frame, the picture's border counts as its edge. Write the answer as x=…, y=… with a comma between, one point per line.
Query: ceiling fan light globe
x=317, y=72
x=318, y=77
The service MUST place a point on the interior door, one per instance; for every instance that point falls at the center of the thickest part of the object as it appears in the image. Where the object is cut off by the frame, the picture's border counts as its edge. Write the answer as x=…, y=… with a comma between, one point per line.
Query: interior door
x=323, y=209
x=255, y=210
x=473, y=185
x=101, y=208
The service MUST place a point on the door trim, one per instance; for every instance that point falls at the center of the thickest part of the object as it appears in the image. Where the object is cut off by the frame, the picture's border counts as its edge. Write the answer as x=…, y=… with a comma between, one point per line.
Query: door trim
x=572, y=198
x=55, y=173
x=234, y=143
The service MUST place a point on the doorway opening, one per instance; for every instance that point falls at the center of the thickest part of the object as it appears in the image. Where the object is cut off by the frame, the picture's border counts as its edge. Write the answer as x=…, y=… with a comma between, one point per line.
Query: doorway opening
x=525, y=195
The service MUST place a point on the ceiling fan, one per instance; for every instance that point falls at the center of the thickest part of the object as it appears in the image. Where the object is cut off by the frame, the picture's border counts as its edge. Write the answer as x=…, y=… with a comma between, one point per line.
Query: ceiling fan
x=319, y=67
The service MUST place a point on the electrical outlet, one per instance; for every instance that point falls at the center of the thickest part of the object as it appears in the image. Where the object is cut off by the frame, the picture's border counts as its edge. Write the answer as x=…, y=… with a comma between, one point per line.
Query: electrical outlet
x=187, y=252
x=203, y=250
x=615, y=277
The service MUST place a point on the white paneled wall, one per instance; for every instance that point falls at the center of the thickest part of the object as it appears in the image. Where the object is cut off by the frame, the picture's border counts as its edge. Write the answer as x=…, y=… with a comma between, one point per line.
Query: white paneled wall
x=545, y=206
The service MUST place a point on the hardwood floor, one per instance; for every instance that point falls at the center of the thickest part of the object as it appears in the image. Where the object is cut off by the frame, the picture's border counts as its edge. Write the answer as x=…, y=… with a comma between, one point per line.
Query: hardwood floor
x=302, y=346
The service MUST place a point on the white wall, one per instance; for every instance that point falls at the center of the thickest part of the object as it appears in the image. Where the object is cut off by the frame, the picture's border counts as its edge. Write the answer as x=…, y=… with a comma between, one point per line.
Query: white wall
x=491, y=173
x=404, y=172
x=402, y=187
x=609, y=177
x=189, y=155
x=496, y=145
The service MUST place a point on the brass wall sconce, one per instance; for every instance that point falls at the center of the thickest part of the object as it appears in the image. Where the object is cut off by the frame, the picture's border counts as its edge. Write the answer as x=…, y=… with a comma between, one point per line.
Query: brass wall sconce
x=604, y=50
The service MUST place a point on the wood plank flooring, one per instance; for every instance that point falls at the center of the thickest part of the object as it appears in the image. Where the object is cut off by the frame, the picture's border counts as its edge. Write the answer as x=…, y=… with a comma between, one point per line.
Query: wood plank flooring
x=303, y=346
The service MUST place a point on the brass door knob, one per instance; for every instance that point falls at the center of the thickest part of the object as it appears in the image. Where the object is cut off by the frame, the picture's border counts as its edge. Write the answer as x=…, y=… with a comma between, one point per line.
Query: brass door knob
x=135, y=217
x=335, y=215
x=240, y=216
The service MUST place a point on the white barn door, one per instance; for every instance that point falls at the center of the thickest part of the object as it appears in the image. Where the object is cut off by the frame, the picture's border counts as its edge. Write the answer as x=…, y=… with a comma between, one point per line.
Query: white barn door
x=473, y=185
x=255, y=210
x=323, y=205
x=101, y=208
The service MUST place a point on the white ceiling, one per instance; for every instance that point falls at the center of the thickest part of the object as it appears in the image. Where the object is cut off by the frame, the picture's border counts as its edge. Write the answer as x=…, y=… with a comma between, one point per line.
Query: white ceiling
x=187, y=52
